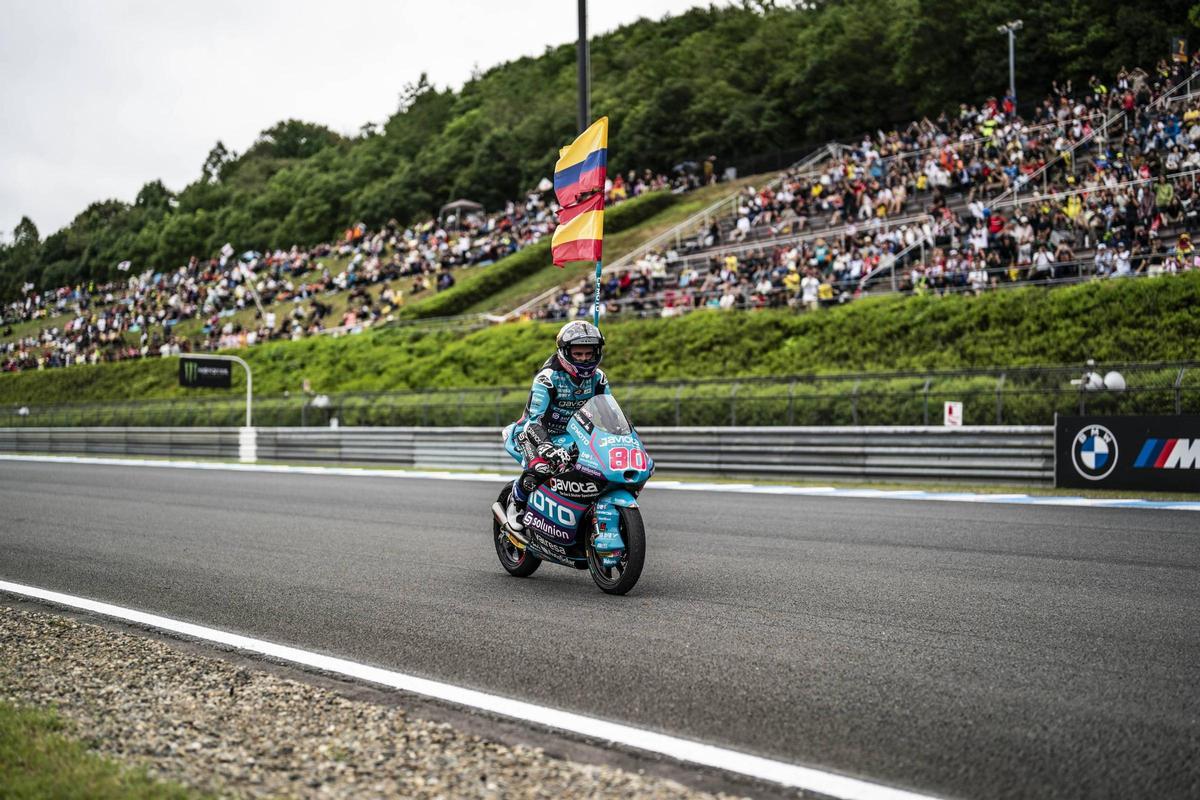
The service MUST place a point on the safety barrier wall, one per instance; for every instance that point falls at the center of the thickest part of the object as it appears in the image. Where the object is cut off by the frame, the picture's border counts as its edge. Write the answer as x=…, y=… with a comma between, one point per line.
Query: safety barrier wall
x=1013, y=454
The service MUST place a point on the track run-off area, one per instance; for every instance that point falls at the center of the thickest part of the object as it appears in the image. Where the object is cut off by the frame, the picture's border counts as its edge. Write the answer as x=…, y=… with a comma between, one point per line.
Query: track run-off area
x=953, y=649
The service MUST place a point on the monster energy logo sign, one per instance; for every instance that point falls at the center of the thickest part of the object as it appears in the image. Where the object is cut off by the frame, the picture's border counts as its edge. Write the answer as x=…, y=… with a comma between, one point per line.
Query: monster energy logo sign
x=203, y=373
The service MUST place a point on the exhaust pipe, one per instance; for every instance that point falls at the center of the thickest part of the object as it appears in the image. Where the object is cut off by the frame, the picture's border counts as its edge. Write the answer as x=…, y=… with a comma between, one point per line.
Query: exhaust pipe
x=502, y=518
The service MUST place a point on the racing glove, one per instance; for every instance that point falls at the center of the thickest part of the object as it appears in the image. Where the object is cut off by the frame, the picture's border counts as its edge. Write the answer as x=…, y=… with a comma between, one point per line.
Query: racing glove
x=557, y=457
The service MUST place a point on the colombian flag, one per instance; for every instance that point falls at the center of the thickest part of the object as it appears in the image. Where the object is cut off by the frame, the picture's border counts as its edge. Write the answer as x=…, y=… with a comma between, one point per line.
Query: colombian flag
x=580, y=232
x=583, y=165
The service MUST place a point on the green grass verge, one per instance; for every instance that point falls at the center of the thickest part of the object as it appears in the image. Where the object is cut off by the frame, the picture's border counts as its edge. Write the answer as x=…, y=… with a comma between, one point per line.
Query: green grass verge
x=39, y=759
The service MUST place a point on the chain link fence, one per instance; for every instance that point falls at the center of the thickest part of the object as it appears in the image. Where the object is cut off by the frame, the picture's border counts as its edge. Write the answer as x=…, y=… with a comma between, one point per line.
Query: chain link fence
x=1016, y=396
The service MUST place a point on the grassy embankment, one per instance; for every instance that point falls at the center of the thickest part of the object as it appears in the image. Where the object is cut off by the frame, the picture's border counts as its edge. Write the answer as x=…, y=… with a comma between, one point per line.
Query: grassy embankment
x=1143, y=320
x=39, y=759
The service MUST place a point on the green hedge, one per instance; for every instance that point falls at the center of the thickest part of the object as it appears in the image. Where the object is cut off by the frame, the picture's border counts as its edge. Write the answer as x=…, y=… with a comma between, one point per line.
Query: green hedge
x=1020, y=399
x=1152, y=319
x=482, y=283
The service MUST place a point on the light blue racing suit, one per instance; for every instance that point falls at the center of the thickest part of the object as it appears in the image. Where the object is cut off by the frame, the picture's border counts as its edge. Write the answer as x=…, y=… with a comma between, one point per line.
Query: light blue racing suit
x=553, y=400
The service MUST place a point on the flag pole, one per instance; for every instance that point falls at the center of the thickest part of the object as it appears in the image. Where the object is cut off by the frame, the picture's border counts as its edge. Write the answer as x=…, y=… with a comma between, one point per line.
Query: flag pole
x=596, y=305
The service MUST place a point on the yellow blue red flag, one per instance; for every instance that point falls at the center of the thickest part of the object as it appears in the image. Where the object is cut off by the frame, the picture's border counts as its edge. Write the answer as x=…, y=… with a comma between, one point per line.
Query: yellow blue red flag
x=580, y=232
x=582, y=165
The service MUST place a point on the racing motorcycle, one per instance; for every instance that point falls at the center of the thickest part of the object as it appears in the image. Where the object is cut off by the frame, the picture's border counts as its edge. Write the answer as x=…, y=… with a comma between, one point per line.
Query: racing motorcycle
x=586, y=515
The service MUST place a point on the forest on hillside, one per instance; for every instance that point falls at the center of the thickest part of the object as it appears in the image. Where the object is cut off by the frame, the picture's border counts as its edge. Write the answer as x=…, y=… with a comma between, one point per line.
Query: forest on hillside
x=734, y=81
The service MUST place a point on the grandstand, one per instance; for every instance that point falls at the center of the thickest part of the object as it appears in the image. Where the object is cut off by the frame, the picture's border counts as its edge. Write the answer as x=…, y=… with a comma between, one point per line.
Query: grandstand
x=225, y=302
x=1091, y=186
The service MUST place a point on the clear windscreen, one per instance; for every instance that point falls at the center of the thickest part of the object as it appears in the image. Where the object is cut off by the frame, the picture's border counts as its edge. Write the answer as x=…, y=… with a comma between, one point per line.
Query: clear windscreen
x=605, y=415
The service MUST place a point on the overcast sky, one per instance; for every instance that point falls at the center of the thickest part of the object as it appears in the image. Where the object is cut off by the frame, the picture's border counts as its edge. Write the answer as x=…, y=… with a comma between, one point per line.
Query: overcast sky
x=97, y=98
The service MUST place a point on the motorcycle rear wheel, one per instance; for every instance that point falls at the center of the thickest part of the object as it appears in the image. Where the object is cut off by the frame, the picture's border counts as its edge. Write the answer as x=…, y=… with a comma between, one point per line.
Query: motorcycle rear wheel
x=515, y=560
x=621, y=578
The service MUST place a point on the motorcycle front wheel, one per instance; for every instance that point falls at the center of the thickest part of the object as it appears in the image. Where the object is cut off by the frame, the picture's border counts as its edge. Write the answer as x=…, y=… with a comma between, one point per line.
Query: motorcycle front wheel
x=621, y=577
x=515, y=560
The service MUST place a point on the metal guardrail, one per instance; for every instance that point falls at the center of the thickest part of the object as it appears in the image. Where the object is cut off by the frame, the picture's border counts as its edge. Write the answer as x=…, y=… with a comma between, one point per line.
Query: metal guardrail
x=1012, y=454
x=1020, y=454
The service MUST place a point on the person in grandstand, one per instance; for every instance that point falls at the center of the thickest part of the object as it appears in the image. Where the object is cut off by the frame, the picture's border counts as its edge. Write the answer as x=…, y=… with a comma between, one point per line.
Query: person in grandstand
x=569, y=378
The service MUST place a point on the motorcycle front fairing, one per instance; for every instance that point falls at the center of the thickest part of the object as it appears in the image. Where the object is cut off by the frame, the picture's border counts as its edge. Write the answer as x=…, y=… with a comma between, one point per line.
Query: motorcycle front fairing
x=610, y=448
x=611, y=468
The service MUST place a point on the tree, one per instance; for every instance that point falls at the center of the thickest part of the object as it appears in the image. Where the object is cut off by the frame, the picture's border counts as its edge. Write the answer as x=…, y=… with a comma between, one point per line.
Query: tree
x=292, y=139
x=424, y=113
x=183, y=236
x=20, y=261
x=414, y=90
x=216, y=162
x=154, y=198
x=26, y=234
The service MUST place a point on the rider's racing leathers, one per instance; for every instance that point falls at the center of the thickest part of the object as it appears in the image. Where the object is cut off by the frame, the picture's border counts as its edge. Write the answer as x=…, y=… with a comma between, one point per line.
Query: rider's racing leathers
x=539, y=437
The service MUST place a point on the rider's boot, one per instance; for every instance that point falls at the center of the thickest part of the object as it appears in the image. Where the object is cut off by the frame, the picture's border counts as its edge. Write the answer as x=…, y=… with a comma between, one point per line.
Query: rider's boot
x=516, y=507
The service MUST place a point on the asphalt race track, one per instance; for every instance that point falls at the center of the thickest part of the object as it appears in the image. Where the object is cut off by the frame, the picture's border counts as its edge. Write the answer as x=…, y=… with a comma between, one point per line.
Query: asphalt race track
x=958, y=649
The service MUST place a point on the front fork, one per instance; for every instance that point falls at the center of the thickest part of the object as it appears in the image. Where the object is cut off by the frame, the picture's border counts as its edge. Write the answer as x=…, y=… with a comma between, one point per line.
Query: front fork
x=606, y=526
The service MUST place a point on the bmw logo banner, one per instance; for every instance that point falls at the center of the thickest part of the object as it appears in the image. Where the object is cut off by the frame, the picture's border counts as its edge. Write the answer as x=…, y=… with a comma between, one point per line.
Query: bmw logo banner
x=1154, y=453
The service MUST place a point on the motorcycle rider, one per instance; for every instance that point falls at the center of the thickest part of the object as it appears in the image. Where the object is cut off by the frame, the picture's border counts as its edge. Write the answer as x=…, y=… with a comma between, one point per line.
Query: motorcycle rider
x=568, y=379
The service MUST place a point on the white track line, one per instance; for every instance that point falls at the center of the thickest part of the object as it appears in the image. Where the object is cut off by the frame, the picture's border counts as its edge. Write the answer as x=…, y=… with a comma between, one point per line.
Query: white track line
x=226, y=466
x=792, y=775
x=665, y=485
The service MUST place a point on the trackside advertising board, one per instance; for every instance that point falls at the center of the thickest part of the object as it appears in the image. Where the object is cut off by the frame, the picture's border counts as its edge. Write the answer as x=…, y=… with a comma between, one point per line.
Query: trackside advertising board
x=1152, y=453
x=205, y=373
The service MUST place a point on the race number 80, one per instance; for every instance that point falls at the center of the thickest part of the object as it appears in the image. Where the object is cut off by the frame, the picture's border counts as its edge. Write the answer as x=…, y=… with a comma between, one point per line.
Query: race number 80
x=622, y=458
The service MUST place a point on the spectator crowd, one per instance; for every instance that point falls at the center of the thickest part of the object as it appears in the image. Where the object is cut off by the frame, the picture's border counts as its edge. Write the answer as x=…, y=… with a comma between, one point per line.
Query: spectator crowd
x=195, y=307
x=1096, y=181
